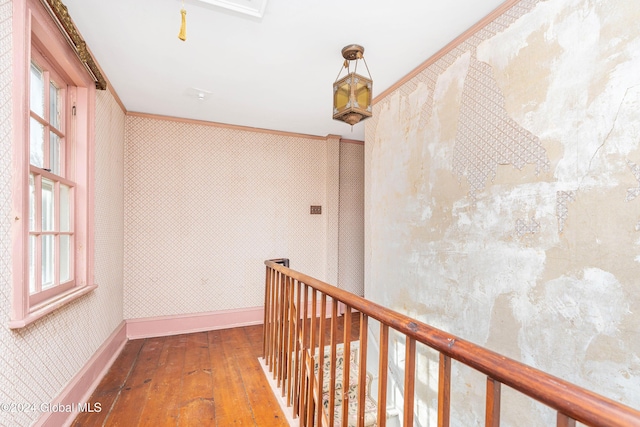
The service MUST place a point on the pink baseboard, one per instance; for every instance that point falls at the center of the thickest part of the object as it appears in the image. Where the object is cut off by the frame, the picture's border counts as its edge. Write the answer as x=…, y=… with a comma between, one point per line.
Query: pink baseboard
x=198, y=322
x=86, y=380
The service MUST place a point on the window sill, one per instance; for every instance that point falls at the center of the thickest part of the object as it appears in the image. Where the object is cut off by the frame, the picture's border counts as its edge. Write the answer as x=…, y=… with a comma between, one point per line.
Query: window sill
x=50, y=306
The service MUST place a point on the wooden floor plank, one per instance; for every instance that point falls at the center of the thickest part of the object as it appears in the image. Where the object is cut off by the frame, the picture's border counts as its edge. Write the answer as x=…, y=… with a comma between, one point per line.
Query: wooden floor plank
x=110, y=386
x=130, y=402
x=229, y=397
x=196, y=392
x=262, y=401
x=161, y=406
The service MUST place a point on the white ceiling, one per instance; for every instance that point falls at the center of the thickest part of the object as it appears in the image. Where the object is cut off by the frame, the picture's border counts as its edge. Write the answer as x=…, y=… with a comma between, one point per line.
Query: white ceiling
x=274, y=72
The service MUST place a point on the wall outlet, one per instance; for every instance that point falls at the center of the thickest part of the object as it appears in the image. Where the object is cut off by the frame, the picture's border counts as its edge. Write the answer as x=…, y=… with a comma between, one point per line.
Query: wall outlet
x=316, y=210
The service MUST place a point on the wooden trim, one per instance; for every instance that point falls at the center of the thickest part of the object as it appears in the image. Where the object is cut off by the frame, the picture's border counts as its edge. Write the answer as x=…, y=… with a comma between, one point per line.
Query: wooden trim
x=227, y=126
x=86, y=380
x=187, y=323
x=448, y=48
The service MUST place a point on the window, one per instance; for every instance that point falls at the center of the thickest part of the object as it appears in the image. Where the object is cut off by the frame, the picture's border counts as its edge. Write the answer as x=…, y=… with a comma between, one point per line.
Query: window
x=53, y=156
x=51, y=189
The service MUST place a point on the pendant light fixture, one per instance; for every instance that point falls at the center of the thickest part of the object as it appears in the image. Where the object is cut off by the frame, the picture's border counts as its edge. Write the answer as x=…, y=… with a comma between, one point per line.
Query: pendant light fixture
x=352, y=93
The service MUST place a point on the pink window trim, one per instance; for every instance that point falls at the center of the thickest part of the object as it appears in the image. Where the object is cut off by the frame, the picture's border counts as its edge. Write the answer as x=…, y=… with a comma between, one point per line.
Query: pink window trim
x=30, y=17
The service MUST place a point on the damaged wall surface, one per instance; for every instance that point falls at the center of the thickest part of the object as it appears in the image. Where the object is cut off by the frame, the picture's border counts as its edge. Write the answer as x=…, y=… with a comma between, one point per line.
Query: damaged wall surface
x=501, y=200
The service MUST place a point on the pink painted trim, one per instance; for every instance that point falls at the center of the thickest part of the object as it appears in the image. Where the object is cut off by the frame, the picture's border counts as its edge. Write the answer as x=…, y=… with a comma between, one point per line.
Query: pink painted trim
x=21, y=38
x=86, y=380
x=50, y=306
x=198, y=322
x=31, y=19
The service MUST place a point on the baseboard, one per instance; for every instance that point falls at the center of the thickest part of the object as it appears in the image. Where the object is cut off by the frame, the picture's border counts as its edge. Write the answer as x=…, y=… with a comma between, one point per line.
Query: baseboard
x=188, y=323
x=80, y=388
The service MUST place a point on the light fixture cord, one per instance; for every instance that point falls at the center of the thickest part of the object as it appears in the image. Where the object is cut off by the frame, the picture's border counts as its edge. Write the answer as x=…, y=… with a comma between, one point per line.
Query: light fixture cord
x=340, y=71
x=365, y=64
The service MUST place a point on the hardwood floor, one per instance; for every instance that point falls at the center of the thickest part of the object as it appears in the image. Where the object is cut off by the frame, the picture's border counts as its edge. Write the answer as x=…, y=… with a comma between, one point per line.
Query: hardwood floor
x=201, y=379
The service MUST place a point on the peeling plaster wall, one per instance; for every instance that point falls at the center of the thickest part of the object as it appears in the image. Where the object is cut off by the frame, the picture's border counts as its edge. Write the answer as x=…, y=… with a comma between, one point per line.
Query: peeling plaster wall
x=501, y=200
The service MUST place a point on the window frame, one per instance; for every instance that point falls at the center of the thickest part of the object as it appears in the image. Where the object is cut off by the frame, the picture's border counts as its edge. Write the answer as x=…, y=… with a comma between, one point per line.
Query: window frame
x=36, y=35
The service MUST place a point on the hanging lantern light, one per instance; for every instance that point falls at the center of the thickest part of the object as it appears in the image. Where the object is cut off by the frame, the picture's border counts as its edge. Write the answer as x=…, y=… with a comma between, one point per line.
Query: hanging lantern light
x=352, y=93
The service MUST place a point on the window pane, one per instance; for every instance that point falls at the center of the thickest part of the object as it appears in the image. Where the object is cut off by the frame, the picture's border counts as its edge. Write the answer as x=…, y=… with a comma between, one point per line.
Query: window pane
x=54, y=153
x=47, y=262
x=54, y=105
x=36, y=143
x=32, y=203
x=32, y=264
x=36, y=98
x=65, y=220
x=47, y=205
x=65, y=258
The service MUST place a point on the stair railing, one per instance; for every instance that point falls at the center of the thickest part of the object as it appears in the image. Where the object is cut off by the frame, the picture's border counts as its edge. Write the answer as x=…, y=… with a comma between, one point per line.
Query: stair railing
x=297, y=309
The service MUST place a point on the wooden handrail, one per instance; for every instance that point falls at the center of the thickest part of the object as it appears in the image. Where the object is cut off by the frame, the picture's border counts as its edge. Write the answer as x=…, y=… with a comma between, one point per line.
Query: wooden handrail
x=572, y=402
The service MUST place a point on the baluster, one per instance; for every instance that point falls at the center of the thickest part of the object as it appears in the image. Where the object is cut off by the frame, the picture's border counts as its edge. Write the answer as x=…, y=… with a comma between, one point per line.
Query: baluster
x=297, y=385
x=272, y=323
x=278, y=360
x=444, y=390
x=332, y=381
x=265, y=328
x=346, y=323
x=362, y=368
x=565, y=421
x=409, y=380
x=493, y=403
x=304, y=397
x=312, y=354
x=320, y=385
x=303, y=356
x=284, y=356
x=382, y=375
x=290, y=349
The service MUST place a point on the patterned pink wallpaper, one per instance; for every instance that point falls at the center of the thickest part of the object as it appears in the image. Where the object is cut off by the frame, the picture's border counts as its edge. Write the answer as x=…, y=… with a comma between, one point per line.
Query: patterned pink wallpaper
x=7, y=380
x=206, y=205
x=351, y=223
